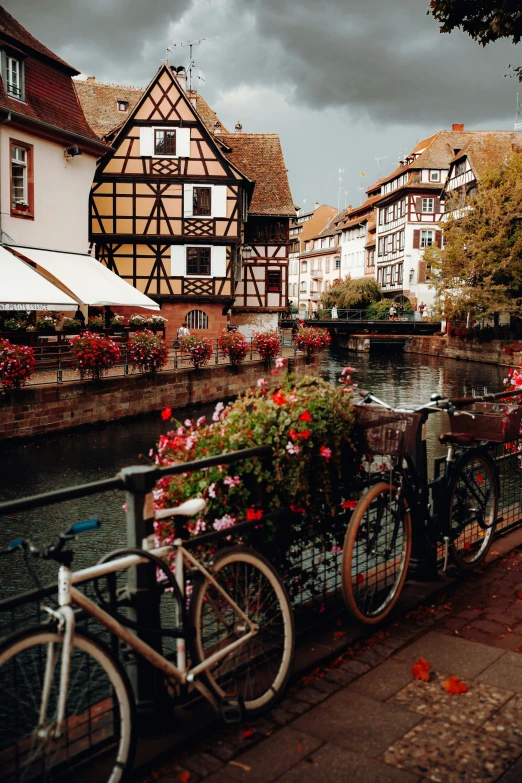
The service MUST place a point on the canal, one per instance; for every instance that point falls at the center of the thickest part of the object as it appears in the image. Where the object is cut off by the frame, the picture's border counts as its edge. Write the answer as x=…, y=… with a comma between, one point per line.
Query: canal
x=62, y=460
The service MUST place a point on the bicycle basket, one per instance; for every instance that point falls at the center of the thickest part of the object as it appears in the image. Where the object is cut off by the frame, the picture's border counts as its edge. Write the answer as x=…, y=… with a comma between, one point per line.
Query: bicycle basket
x=496, y=422
x=386, y=432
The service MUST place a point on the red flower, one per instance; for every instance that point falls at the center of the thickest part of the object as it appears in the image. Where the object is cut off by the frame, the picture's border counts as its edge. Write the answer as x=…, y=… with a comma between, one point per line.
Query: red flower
x=279, y=398
x=305, y=434
x=166, y=413
x=297, y=509
x=253, y=513
x=325, y=452
x=305, y=416
x=349, y=504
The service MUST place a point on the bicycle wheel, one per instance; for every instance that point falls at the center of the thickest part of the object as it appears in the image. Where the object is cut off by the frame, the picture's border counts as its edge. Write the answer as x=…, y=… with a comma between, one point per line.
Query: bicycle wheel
x=376, y=554
x=98, y=715
x=256, y=672
x=473, y=492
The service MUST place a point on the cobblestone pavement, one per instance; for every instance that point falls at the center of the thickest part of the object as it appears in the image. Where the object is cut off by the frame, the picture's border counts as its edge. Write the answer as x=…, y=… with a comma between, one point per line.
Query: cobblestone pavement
x=364, y=718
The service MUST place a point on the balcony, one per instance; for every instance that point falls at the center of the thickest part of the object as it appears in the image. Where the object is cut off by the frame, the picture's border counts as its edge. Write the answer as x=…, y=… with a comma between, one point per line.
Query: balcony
x=316, y=274
x=314, y=295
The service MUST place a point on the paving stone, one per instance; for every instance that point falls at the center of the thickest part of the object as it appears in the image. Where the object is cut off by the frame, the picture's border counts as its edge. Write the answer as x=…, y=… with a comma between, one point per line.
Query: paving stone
x=474, y=635
x=488, y=626
x=370, y=657
x=435, y=750
x=455, y=623
x=355, y=666
x=391, y=643
x=296, y=706
x=203, y=764
x=383, y=681
x=339, y=676
x=356, y=722
x=506, y=724
x=505, y=673
x=450, y=653
x=513, y=775
x=332, y=763
x=270, y=760
x=222, y=750
x=471, y=709
x=324, y=686
x=509, y=641
x=311, y=695
x=281, y=716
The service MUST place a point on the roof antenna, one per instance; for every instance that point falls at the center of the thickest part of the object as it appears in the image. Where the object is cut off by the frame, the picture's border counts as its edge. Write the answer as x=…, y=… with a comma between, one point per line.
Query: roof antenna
x=518, y=115
x=190, y=45
x=383, y=157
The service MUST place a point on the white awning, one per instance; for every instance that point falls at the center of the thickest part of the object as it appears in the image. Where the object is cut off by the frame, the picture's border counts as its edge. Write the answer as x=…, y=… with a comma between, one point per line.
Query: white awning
x=87, y=279
x=23, y=288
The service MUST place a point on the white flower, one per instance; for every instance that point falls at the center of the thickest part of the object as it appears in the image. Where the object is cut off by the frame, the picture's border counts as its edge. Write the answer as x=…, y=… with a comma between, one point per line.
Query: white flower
x=219, y=407
x=280, y=362
x=188, y=423
x=180, y=431
x=261, y=382
x=292, y=448
x=200, y=422
x=212, y=491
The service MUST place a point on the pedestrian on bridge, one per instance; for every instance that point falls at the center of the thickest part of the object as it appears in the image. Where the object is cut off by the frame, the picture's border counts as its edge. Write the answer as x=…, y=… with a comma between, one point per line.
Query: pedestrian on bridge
x=335, y=314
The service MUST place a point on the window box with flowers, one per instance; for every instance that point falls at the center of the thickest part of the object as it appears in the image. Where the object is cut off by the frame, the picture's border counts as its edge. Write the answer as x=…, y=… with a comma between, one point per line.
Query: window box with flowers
x=96, y=323
x=147, y=352
x=312, y=340
x=138, y=321
x=118, y=322
x=267, y=344
x=234, y=345
x=71, y=325
x=93, y=355
x=14, y=324
x=45, y=324
x=197, y=349
x=156, y=323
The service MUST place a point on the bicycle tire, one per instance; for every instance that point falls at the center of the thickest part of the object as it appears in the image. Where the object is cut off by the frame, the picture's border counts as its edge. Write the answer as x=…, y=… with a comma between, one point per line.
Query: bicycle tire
x=90, y=730
x=466, y=551
x=257, y=677
x=368, y=593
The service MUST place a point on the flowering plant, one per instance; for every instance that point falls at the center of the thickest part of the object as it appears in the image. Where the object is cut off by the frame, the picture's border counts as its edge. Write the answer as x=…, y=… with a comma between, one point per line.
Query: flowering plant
x=14, y=324
x=97, y=322
x=198, y=349
x=157, y=320
x=267, y=344
x=512, y=348
x=16, y=364
x=312, y=340
x=71, y=323
x=117, y=320
x=308, y=425
x=93, y=355
x=138, y=320
x=147, y=352
x=45, y=322
x=234, y=345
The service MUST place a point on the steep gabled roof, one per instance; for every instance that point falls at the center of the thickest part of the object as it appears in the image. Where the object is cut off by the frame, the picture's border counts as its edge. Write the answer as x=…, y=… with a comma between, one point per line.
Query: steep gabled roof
x=259, y=156
x=489, y=148
x=100, y=104
x=11, y=29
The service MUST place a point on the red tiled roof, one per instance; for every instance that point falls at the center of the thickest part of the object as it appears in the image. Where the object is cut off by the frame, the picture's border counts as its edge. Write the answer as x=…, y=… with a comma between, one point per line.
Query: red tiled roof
x=49, y=93
x=489, y=148
x=259, y=156
x=10, y=28
x=100, y=104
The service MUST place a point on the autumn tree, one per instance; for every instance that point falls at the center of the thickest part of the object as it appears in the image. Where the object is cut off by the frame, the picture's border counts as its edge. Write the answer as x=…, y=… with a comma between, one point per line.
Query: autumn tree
x=479, y=269
x=483, y=20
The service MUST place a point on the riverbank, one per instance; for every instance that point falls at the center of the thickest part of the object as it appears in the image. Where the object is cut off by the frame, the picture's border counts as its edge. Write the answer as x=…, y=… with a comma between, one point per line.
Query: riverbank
x=39, y=410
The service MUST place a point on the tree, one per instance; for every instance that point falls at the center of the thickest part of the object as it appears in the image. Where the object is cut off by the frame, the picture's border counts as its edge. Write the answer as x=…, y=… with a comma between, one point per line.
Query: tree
x=479, y=270
x=483, y=20
x=348, y=294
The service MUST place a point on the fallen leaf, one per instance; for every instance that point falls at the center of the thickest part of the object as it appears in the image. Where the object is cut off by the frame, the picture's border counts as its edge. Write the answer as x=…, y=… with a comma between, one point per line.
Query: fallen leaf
x=421, y=670
x=339, y=634
x=248, y=733
x=184, y=776
x=454, y=685
x=299, y=747
x=519, y=596
x=241, y=766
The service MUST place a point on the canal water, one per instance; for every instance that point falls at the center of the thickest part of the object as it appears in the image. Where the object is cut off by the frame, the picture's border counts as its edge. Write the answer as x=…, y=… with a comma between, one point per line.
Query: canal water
x=62, y=460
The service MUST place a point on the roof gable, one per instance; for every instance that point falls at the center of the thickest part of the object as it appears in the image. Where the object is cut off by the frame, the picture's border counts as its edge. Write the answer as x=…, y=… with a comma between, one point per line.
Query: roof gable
x=13, y=30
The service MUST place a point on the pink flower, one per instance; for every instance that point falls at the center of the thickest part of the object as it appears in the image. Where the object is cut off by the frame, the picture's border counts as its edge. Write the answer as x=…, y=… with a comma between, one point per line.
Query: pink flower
x=336, y=550
x=180, y=431
x=224, y=522
x=280, y=362
x=188, y=423
x=348, y=370
x=292, y=448
x=325, y=452
x=201, y=421
x=219, y=407
x=261, y=382
x=230, y=481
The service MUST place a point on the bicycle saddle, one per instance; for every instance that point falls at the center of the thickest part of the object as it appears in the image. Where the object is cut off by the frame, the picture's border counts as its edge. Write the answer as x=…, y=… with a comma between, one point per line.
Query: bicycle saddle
x=458, y=438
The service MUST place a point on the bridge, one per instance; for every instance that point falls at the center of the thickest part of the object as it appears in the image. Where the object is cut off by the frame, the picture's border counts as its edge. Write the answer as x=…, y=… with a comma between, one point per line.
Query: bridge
x=359, y=322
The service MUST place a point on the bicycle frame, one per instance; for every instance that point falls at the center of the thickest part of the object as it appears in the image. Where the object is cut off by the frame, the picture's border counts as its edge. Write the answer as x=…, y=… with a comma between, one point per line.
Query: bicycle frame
x=69, y=594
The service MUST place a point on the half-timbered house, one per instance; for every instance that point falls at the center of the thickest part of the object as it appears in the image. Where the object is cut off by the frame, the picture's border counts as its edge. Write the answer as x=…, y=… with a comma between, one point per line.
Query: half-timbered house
x=169, y=204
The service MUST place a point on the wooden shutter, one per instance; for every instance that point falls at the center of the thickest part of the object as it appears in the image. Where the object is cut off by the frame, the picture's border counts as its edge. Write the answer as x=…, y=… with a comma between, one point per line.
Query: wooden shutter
x=438, y=238
x=219, y=201
x=146, y=142
x=416, y=239
x=418, y=204
x=218, y=257
x=178, y=261
x=188, y=203
x=421, y=275
x=183, y=142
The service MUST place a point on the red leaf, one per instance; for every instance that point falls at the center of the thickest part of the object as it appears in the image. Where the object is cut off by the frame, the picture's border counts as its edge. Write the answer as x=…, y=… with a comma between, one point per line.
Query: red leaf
x=339, y=634
x=454, y=685
x=184, y=776
x=421, y=670
x=480, y=479
x=299, y=747
x=247, y=733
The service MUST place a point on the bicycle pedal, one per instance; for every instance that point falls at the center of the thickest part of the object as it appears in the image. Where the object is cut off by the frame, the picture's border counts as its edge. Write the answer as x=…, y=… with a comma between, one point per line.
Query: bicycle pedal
x=232, y=710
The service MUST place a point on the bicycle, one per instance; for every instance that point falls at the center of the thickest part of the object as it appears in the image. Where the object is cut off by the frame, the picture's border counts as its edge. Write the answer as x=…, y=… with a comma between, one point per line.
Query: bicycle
x=458, y=509
x=238, y=624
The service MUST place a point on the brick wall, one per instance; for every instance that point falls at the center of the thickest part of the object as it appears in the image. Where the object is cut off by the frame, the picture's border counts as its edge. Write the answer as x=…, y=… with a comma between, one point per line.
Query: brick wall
x=176, y=312
x=470, y=351
x=43, y=409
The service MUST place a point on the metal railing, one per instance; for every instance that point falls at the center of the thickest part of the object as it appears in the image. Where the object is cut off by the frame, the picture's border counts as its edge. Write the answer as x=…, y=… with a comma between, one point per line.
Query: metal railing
x=357, y=315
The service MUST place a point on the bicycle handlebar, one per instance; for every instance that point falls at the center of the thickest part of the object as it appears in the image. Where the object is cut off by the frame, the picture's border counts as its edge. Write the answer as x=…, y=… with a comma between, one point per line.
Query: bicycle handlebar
x=48, y=552
x=446, y=404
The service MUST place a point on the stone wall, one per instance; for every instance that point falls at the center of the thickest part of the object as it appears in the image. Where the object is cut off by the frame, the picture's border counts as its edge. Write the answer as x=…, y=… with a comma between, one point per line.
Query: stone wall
x=43, y=409
x=470, y=351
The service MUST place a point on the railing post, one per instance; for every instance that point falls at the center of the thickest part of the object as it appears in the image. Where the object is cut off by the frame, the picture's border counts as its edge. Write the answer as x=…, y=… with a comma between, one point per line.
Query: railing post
x=145, y=610
x=59, y=374
x=251, y=347
x=126, y=367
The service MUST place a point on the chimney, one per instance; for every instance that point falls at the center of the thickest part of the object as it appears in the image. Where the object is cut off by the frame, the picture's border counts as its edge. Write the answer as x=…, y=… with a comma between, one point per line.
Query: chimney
x=180, y=76
x=457, y=126
x=316, y=204
x=91, y=78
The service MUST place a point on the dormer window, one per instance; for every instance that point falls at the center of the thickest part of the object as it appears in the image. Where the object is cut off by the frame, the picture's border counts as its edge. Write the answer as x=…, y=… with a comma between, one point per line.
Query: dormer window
x=13, y=76
x=434, y=176
x=123, y=105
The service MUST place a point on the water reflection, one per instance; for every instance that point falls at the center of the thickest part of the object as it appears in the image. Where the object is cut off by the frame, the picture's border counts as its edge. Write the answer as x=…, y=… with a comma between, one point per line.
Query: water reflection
x=61, y=460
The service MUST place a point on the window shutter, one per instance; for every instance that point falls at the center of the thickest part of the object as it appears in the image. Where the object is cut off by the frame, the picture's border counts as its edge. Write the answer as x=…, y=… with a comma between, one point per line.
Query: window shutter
x=188, y=202
x=218, y=261
x=438, y=238
x=416, y=239
x=436, y=205
x=146, y=142
x=219, y=201
x=418, y=204
x=178, y=261
x=183, y=142
x=421, y=276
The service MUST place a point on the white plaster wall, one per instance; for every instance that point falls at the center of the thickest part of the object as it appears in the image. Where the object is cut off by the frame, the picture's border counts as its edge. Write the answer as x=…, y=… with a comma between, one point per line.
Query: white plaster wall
x=247, y=323
x=61, y=196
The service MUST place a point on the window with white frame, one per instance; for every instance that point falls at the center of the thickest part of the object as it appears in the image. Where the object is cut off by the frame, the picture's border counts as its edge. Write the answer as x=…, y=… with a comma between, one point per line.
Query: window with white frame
x=304, y=266
x=338, y=263
x=428, y=204
x=14, y=78
x=19, y=176
x=327, y=265
x=303, y=286
x=427, y=237
x=434, y=176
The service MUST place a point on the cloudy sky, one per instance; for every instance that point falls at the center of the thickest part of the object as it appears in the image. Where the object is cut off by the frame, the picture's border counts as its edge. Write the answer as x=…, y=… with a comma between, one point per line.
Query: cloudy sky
x=344, y=82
